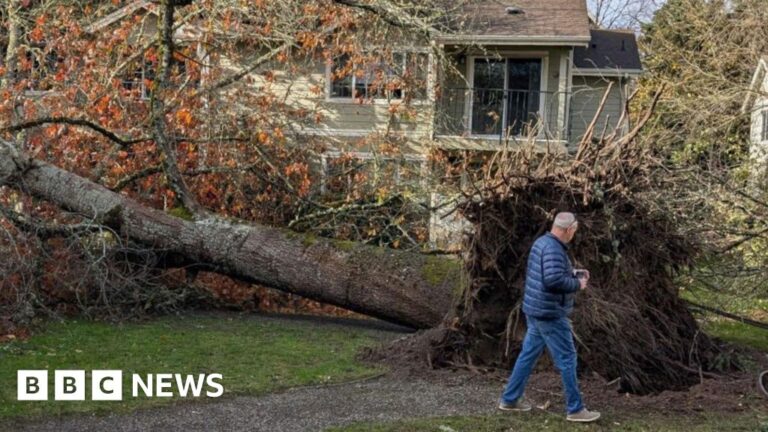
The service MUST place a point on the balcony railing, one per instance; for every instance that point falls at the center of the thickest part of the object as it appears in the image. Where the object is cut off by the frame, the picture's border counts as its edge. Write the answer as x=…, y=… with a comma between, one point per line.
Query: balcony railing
x=496, y=113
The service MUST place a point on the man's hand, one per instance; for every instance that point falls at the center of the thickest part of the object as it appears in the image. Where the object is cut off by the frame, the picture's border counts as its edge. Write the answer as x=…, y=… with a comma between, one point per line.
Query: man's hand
x=583, y=276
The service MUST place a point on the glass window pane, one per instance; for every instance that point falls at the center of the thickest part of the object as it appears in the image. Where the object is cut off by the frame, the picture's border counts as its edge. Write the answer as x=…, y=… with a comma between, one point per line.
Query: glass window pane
x=416, y=68
x=487, y=97
x=524, y=83
x=341, y=79
x=765, y=126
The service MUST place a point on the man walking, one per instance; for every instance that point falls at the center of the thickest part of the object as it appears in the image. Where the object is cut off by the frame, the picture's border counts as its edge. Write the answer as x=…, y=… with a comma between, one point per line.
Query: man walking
x=550, y=285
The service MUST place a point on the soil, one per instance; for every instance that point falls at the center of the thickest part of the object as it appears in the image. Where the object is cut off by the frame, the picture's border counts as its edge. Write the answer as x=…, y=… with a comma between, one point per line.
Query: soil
x=728, y=393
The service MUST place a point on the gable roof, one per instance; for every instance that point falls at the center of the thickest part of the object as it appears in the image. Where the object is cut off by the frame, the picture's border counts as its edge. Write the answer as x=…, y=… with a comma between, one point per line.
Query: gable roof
x=758, y=78
x=541, y=22
x=609, y=50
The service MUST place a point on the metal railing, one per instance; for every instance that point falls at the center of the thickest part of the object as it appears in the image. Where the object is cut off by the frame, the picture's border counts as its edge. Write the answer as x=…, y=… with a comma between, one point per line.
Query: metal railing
x=500, y=113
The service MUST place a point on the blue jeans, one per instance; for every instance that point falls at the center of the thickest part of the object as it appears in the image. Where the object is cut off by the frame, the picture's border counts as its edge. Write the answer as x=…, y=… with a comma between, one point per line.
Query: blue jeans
x=558, y=337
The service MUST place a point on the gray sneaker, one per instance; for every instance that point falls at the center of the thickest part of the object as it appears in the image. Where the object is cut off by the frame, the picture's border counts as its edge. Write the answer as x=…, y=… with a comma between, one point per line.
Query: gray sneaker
x=583, y=416
x=519, y=405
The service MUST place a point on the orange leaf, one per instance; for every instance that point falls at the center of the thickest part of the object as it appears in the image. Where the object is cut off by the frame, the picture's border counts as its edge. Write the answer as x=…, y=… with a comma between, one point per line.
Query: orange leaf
x=185, y=117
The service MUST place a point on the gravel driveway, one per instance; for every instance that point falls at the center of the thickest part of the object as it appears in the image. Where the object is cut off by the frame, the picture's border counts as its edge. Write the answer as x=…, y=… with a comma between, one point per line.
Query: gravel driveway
x=303, y=409
x=389, y=397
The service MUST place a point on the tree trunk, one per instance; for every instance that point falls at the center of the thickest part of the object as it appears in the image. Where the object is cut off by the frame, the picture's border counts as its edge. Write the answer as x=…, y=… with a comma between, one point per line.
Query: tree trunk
x=10, y=61
x=402, y=287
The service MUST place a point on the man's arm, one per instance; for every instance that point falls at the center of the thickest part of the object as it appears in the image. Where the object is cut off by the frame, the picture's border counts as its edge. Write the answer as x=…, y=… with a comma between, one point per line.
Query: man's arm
x=556, y=276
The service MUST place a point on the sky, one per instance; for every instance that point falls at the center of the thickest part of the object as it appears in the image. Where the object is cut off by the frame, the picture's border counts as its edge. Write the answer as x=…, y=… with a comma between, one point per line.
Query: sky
x=623, y=13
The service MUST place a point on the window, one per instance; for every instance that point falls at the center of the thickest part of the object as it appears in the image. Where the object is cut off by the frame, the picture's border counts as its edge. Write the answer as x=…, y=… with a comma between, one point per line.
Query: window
x=139, y=81
x=405, y=77
x=39, y=67
x=764, y=132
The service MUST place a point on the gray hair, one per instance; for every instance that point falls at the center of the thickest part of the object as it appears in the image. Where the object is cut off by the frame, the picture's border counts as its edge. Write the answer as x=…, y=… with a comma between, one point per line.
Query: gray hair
x=564, y=220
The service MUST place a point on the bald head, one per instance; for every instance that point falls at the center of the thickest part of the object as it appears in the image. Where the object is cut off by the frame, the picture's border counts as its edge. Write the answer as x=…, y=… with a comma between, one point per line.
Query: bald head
x=564, y=227
x=564, y=220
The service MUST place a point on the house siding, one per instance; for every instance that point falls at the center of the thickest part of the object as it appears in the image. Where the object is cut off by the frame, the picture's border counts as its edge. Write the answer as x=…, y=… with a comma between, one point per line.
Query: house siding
x=586, y=94
x=306, y=88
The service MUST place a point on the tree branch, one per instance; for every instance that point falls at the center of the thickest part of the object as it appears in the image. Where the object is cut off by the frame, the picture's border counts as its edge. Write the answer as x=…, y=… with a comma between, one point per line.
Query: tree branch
x=157, y=107
x=76, y=122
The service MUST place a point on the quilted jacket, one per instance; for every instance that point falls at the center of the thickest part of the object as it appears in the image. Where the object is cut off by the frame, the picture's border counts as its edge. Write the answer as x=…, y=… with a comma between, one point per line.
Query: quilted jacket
x=549, y=282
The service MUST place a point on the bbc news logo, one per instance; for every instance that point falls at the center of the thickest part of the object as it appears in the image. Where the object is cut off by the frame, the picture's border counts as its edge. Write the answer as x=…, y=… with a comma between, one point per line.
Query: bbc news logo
x=107, y=385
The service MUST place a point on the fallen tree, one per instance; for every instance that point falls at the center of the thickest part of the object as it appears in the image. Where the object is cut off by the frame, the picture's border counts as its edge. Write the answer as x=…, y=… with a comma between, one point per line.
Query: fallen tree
x=402, y=287
x=631, y=324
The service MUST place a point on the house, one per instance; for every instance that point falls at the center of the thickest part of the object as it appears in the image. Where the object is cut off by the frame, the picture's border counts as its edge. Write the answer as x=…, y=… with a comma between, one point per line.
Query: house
x=510, y=71
x=521, y=70
x=756, y=106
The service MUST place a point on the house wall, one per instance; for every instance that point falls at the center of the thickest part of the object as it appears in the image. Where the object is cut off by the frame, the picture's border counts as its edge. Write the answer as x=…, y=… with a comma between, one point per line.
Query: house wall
x=305, y=86
x=759, y=148
x=586, y=94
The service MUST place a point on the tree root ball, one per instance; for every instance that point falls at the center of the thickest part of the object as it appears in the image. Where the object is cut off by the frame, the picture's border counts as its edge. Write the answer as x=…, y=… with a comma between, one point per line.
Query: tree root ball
x=630, y=324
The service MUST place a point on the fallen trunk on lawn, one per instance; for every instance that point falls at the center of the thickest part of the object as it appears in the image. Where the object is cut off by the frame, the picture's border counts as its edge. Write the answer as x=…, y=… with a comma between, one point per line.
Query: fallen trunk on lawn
x=402, y=287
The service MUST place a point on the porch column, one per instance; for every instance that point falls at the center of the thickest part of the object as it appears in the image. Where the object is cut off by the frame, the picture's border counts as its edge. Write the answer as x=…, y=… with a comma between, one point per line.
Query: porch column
x=562, y=95
x=431, y=83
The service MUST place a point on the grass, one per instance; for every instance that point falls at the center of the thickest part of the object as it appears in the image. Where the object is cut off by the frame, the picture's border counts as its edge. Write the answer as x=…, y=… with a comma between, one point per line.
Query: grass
x=259, y=355
x=255, y=356
x=736, y=332
x=539, y=422
x=749, y=306
x=731, y=330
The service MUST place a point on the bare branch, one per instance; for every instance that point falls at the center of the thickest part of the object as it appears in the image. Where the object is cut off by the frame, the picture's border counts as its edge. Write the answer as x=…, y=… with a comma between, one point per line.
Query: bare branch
x=76, y=122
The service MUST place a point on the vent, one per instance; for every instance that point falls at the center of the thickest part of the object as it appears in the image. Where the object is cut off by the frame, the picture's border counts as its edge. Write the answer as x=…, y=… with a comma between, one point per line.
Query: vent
x=512, y=10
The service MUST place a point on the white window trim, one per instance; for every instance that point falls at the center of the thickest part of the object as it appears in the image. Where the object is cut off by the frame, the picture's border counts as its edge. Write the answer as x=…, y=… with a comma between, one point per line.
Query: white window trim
x=544, y=56
x=763, y=118
x=377, y=101
x=356, y=133
x=144, y=92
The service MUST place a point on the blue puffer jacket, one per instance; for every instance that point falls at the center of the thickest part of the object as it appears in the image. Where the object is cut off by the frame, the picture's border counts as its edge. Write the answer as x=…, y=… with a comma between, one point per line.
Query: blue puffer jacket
x=549, y=281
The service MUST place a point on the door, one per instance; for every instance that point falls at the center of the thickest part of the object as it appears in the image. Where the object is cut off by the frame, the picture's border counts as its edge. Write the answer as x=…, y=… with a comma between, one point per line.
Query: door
x=505, y=95
x=523, y=94
x=488, y=96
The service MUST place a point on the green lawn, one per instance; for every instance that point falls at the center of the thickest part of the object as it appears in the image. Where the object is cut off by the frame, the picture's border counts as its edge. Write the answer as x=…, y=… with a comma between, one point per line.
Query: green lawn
x=736, y=332
x=539, y=422
x=254, y=354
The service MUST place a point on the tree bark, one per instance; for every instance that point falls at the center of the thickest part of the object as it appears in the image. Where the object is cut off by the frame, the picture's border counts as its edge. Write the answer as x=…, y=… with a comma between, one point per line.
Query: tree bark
x=10, y=61
x=402, y=287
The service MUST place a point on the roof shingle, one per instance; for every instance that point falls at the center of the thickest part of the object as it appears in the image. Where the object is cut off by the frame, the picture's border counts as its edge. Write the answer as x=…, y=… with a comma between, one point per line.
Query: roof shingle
x=609, y=49
x=565, y=19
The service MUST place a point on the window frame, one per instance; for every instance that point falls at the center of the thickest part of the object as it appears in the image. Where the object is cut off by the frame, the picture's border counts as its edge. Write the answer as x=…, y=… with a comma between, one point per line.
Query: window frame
x=139, y=82
x=504, y=55
x=764, y=125
x=148, y=72
x=406, y=52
